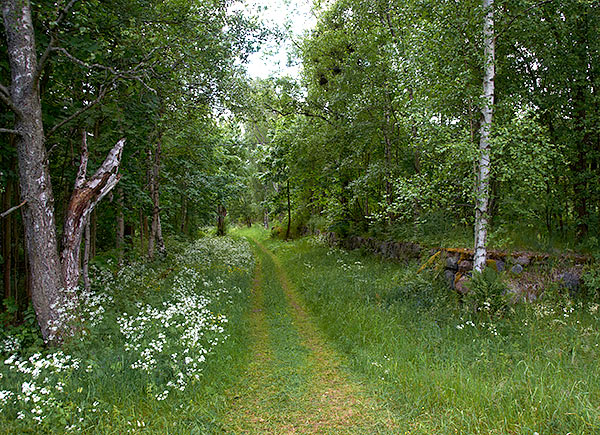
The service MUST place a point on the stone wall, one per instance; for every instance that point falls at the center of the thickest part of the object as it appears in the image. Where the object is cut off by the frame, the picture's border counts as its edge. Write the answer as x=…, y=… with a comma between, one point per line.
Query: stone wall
x=458, y=263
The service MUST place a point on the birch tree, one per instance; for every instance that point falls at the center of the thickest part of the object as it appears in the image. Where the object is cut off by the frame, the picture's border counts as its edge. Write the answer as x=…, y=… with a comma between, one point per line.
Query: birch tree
x=487, y=110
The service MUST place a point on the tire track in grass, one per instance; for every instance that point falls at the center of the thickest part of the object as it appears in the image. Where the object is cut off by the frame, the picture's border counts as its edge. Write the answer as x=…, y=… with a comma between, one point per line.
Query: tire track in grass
x=245, y=399
x=294, y=382
x=333, y=403
x=267, y=398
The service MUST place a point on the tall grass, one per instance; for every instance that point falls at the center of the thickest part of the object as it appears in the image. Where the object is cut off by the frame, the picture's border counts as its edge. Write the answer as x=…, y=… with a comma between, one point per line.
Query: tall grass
x=442, y=368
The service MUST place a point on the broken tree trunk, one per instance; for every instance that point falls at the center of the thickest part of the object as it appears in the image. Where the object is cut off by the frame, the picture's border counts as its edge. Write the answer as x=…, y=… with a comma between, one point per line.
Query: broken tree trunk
x=84, y=198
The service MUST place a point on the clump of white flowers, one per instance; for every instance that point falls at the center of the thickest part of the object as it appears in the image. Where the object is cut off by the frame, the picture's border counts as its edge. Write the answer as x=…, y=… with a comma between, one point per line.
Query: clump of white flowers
x=166, y=341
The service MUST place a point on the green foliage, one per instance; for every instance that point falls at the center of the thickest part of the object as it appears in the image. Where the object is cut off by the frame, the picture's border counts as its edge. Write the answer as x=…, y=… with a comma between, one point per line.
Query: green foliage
x=488, y=293
x=25, y=335
x=386, y=134
x=591, y=283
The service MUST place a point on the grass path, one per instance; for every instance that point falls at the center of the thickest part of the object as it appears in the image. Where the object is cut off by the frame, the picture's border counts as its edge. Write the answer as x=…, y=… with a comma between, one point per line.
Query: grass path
x=295, y=383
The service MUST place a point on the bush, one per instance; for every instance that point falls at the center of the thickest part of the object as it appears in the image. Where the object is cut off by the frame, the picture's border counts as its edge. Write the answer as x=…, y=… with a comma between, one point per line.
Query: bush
x=591, y=282
x=487, y=292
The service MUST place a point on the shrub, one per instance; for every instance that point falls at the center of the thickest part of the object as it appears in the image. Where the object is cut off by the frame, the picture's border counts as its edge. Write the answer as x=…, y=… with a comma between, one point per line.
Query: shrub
x=591, y=282
x=487, y=292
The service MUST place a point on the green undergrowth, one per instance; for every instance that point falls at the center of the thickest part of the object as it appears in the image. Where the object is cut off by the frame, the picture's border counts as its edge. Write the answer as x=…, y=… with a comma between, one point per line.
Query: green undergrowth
x=159, y=346
x=441, y=367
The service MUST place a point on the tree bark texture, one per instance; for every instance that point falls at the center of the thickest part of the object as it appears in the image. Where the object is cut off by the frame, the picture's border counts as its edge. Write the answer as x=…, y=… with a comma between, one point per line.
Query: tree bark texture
x=120, y=225
x=93, y=232
x=38, y=213
x=85, y=271
x=487, y=110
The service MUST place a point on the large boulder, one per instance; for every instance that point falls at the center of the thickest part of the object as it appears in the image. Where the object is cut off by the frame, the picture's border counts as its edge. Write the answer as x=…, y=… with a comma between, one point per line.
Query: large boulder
x=571, y=281
x=452, y=263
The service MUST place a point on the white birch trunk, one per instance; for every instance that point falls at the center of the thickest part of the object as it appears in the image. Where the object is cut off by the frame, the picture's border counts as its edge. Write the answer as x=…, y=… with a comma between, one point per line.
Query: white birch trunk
x=487, y=110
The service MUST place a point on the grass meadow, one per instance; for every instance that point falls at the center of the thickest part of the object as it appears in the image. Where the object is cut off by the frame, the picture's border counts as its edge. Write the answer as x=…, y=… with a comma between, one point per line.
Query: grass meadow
x=441, y=367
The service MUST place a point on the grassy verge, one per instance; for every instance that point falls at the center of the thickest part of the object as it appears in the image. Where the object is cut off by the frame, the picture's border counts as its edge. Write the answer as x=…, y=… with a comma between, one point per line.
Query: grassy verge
x=160, y=345
x=441, y=368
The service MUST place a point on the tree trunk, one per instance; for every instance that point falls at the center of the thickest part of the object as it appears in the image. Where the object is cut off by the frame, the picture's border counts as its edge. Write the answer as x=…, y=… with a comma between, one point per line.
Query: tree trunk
x=7, y=239
x=38, y=213
x=142, y=225
x=580, y=164
x=389, y=191
x=84, y=198
x=183, y=214
x=93, y=233
x=266, y=219
x=289, y=210
x=156, y=239
x=86, y=257
x=221, y=213
x=120, y=225
x=487, y=110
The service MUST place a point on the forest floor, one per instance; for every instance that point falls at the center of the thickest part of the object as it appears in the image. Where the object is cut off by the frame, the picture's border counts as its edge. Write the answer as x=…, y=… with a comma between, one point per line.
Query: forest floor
x=295, y=382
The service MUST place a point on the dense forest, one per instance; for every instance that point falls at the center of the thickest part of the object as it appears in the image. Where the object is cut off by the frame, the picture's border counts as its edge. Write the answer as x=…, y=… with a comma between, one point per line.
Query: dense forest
x=131, y=128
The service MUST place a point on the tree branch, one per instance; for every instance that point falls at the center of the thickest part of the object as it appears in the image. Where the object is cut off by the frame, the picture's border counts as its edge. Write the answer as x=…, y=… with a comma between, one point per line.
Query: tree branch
x=81, y=173
x=84, y=64
x=298, y=112
x=42, y=62
x=513, y=19
x=103, y=92
x=63, y=13
x=129, y=74
x=9, y=131
x=5, y=97
x=4, y=89
x=10, y=210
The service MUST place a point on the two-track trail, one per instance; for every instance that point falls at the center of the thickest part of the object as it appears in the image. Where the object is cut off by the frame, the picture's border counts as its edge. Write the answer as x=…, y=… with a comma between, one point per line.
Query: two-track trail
x=295, y=383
